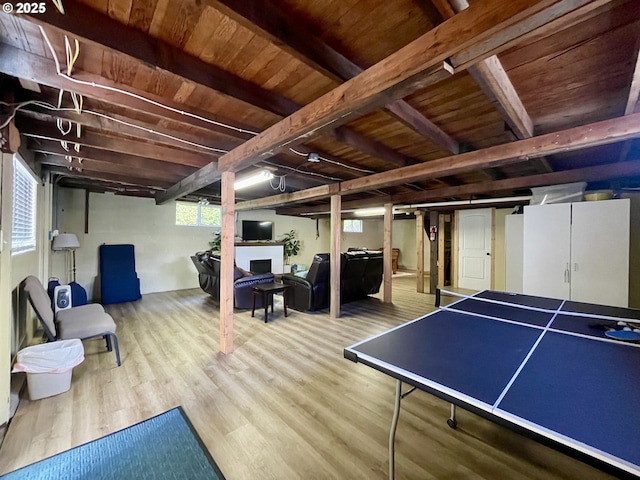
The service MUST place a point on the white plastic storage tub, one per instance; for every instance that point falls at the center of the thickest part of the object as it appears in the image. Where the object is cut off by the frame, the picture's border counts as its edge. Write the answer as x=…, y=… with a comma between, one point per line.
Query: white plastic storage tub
x=49, y=366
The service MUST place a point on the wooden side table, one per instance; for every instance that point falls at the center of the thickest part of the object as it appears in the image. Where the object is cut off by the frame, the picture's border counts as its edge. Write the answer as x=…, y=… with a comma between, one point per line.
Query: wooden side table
x=266, y=290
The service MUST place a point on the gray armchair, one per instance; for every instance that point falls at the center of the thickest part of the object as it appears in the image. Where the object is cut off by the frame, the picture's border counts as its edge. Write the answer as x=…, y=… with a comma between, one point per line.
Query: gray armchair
x=84, y=322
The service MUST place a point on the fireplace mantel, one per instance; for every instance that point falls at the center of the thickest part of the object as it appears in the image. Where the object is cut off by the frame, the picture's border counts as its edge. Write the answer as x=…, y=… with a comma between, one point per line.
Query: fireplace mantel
x=247, y=251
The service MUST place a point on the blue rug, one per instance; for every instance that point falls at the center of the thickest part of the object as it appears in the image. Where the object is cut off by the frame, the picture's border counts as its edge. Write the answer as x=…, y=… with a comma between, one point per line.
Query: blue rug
x=163, y=447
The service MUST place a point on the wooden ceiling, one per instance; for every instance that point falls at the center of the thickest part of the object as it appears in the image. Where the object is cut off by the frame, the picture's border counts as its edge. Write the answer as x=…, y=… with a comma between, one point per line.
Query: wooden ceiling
x=404, y=102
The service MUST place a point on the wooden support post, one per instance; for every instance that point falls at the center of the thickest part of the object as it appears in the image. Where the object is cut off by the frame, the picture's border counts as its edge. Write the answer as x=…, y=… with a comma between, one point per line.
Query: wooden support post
x=388, y=254
x=433, y=255
x=441, y=249
x=336, y=232
x=420, y=251
x=226, y=262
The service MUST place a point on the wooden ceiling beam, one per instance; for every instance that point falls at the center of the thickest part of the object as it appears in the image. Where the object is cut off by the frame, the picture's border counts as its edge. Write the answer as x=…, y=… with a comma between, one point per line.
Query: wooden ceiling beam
x=600, y=133
x=492, y=78
x=21, y=64
x=155, y=168
x=95, y=176
x=578, y=138
x=634, y=88
x=491, y=23
x=95, y=28
x=420, y=63
x=88, y=165
x=47, y=131
x=323, y=191
x=270, y=21
x=586, y=174
x=111, y=123
x=98, y=29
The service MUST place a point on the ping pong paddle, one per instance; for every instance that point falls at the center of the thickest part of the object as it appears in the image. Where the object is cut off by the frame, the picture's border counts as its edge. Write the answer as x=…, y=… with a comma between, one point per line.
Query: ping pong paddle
x=627, y=335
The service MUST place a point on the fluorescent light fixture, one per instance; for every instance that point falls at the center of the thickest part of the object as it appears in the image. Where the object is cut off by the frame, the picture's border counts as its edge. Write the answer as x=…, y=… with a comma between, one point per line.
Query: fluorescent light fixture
x=369, y=212
x=254, y=179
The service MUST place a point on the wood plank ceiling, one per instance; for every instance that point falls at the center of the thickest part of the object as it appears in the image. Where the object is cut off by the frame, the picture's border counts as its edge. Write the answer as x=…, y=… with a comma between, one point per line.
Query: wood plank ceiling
x=168, y=87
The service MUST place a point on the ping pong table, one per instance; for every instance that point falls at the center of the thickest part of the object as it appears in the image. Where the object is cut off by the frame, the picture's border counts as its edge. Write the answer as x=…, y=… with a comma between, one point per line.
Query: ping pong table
x=542, y=366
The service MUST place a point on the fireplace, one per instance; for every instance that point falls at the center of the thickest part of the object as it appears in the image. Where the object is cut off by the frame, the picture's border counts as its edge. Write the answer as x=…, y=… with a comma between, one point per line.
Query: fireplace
x=260, y=266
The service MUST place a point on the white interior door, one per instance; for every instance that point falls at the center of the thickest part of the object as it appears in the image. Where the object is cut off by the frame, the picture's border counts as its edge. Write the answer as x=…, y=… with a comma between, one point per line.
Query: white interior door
x=600, y=252
x=547, y=250
x=474, y=248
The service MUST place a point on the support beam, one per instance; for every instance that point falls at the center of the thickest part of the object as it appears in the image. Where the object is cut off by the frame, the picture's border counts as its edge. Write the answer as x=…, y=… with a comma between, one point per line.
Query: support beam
x=323, y=191
x=226, y=262
x=587, y=174
x=600, y=133
x=495, y=83
x=267, y=19
x=335, y=259
x=96, y=29
x=433, y=255
x=417, y=65
x=48, y=131
x=577, y=138
x=388, y=252
x=21, y=64
x=420, y=251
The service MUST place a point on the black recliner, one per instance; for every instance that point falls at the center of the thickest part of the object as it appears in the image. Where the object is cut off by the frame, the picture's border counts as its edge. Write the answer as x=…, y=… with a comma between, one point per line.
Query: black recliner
x=312, y=292
x=208, y=266
x=360, y=276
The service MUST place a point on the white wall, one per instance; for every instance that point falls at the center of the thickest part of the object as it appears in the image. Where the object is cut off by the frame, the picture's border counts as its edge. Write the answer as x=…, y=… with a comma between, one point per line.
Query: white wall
x=162, y=248
x=13, y=270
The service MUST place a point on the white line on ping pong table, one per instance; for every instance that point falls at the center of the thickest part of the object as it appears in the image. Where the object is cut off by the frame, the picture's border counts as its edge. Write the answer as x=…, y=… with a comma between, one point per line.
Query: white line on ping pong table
x=569, y=313
x=526, y=359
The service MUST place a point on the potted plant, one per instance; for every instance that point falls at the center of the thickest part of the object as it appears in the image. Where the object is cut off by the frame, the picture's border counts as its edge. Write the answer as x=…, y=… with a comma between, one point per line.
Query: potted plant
x=291, y=245
x=216, y=242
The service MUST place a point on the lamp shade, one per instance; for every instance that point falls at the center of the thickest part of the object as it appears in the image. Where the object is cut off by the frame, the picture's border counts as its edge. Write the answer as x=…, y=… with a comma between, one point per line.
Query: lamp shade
x=65, y=241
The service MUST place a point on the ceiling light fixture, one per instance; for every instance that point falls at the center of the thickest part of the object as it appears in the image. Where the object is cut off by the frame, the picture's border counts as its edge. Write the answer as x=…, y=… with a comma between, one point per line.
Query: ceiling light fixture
x=251, y=180
x=313, y=157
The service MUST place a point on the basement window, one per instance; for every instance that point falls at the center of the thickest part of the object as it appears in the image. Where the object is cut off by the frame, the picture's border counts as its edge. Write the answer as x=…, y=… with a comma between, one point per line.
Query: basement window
x=23, y=230
x=352, y=226
x=198, y=215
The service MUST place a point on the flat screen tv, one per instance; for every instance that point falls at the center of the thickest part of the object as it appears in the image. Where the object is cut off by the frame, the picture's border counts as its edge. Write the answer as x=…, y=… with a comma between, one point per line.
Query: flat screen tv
x=256, y=230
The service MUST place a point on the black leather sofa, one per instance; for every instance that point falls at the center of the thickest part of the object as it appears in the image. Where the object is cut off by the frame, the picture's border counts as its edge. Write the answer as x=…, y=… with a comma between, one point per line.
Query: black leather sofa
x=208, y=266
x=360, y=275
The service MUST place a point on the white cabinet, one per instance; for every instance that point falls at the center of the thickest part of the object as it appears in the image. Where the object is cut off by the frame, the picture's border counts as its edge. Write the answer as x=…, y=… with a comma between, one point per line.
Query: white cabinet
x=578, y=251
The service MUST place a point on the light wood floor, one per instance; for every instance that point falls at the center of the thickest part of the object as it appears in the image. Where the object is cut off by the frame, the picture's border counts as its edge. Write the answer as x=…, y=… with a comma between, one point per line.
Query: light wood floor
x=284, y=405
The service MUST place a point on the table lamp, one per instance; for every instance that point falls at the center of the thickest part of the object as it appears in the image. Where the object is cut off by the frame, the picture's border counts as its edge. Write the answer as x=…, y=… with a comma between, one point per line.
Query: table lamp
x=67, y=242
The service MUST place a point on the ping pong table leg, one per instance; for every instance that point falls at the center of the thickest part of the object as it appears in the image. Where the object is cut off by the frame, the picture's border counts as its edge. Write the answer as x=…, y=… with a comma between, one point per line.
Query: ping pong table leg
x=452, y=422
x=392, y=433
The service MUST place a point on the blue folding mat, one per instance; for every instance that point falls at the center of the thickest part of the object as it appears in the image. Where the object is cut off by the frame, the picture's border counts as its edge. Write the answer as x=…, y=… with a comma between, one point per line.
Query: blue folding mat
x=119, y=281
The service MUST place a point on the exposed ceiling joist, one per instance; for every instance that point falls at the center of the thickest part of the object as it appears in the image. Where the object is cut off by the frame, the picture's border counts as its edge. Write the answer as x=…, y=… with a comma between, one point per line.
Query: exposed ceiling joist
x=101, y=141
x=90, y=26
x=267, y=19
x=601, y=133
x=416, y=65
x=21, y=64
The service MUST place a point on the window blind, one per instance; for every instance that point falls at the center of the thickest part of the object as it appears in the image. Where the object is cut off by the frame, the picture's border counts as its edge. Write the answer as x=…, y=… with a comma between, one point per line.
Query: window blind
x=23, y=232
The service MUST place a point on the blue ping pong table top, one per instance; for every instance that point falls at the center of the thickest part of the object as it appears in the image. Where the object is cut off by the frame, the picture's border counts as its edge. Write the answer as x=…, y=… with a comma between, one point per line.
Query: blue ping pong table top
x=544, y=370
